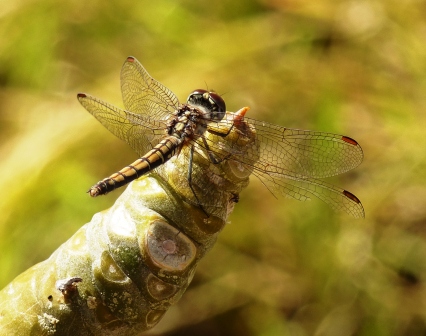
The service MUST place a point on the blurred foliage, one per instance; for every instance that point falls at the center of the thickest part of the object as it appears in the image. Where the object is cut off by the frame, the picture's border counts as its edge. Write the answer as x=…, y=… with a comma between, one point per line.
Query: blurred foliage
x=280, y=268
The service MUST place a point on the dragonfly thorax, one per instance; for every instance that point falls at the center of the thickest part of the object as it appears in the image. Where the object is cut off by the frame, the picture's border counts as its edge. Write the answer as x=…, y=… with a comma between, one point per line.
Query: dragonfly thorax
x=187, y=123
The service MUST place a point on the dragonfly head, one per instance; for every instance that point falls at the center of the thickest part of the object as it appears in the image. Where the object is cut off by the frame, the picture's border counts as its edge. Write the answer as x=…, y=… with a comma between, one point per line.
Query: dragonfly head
x=209, y=100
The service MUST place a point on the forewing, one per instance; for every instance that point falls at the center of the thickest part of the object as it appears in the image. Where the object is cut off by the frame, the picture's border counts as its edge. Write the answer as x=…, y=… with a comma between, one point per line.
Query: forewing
x=139, y=131
x=304, y=153
x=143, y=95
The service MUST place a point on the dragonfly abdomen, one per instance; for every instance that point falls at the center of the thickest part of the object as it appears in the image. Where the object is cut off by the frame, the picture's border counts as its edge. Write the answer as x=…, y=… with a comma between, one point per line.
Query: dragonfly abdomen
x=151, y=160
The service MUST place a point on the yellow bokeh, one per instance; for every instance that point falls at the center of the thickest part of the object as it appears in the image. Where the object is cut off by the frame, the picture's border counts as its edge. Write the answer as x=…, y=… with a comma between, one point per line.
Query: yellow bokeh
x=280, y=267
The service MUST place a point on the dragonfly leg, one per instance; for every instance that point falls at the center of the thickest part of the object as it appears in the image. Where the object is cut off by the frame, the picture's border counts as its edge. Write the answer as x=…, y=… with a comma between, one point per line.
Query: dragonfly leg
x=235, y=198
x=191, y=155
x=212, y=157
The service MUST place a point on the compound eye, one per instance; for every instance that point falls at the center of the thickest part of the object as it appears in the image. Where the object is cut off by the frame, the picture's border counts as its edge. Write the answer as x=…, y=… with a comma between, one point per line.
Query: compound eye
x=196, y=96
x=211, y=101
x=197, y=93
x=221, y=106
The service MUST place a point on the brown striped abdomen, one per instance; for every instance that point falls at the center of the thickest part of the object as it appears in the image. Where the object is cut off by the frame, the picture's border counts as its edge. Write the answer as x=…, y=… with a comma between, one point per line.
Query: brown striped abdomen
x=151, y=160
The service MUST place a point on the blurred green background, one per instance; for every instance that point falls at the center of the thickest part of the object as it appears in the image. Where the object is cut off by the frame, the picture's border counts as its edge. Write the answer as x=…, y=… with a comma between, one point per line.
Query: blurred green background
x=280, y=267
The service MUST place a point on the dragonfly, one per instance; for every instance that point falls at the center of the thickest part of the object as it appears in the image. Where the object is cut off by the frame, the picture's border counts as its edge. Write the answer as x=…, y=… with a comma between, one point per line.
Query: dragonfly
x=289, y=162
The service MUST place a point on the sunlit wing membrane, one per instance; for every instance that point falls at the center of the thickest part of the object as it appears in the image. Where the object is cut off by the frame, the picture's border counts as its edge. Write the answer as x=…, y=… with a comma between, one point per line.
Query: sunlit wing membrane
x=142, y=94
x=303, y=189
x=139, y=131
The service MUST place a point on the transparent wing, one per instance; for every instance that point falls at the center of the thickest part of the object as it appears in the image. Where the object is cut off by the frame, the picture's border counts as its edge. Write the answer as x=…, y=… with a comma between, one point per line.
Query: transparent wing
x=143, y=95
x=141, y=132
x=305, y=153
x=290, y=161
x=302, y=189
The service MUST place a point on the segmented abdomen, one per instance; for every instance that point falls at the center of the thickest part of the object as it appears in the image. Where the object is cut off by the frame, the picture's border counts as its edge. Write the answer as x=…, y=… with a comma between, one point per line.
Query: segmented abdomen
x=151, y=160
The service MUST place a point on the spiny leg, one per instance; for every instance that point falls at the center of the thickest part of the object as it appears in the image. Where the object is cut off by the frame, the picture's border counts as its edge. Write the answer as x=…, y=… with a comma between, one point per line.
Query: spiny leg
x=212, y=158
x=191, y=155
